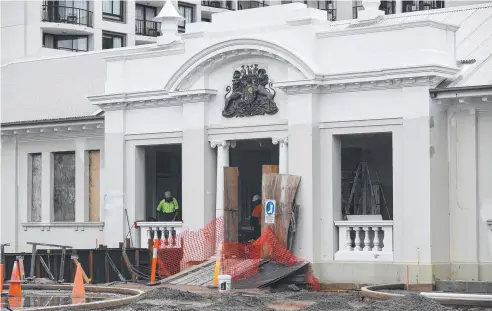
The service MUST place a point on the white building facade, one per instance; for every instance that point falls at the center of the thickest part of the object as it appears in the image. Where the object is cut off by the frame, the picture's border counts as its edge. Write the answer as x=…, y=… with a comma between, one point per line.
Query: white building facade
x=417, y=99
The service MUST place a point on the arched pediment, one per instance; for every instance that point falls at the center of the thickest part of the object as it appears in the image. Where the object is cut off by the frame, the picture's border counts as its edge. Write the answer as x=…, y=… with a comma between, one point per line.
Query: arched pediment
x=194, y=68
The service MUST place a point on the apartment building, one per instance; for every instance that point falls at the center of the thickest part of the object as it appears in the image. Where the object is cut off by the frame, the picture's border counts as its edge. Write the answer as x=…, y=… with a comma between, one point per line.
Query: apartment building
x=46, y=28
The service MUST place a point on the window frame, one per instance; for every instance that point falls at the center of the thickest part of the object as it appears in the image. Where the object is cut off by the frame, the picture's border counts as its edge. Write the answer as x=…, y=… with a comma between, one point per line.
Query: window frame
x=435, y=5
x=331, y=11
x=113, y=35
x=182, y=28
x=259, y=4
x=388, y=6
x=145, y=21
x=55, y=41
x=356, y=4
x=114, y=17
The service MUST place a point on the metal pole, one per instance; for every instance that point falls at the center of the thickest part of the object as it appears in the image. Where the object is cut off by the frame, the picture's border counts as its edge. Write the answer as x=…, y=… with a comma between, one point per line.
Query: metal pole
x=33, y=261
x=62, y=265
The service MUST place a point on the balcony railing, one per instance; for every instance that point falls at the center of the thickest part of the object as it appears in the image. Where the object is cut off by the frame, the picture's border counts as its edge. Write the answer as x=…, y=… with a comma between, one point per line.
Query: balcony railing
x=365, y=240
x=147, y=28
x=218, y=4
x=243, y=5
x=66, y=15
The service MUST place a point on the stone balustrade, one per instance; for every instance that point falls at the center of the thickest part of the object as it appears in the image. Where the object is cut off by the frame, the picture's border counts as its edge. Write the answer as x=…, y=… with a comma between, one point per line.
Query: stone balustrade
x=365, y=240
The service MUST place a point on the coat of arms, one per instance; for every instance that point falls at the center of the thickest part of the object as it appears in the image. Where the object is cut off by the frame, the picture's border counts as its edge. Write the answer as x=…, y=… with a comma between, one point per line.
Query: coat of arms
x=251, y=94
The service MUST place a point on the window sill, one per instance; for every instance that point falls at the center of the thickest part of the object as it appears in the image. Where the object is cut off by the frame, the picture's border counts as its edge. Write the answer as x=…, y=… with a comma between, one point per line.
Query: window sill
x=77, y=226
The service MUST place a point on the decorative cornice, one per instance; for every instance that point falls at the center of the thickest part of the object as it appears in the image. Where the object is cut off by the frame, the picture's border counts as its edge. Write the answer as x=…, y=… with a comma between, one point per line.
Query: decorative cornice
x=371, y=80
x=196, y=65
x=349, y=31
x=56, y=129
x=150, y=99
x=77, y=226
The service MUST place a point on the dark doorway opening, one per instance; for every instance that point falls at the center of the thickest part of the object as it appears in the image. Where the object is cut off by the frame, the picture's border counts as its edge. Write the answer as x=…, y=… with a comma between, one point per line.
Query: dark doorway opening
x=163, y=173
x=249, y=156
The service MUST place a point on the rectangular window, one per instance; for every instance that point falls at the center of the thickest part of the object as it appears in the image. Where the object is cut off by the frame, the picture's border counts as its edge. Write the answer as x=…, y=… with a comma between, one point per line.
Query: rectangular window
x=243, y=5
x=388, y=7
x=330, y=8
x=35, y=187
x=113, y=9
x=144, y=25
x=416, y=5
x=356, y=7
x=64, y=42
x=113, y=41
x=64, y=186
x=94, y=179
x=188, y=12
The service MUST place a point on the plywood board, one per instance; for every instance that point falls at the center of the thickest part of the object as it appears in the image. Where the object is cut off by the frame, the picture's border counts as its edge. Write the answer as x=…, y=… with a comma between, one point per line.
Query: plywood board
x=266, y=169
x=64, y=186
x=231, y=206
x=282, y=189
x=35, y=187
x=94, y=186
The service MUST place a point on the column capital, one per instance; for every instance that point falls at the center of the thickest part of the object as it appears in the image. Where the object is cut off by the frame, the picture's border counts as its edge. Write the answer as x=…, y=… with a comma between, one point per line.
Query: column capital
x=222, y=143
x=280, y=140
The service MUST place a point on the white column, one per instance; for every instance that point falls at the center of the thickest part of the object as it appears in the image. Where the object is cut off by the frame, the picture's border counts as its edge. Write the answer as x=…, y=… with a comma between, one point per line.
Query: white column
x=283, y=154
x=222, y=161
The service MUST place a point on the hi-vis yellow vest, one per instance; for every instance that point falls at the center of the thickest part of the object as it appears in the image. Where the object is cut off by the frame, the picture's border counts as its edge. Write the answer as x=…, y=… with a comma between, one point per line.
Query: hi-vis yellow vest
x=168, y=207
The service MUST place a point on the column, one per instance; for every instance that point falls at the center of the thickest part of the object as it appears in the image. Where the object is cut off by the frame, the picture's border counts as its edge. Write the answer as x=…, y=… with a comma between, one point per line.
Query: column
x=222, y=161
x=283, y=154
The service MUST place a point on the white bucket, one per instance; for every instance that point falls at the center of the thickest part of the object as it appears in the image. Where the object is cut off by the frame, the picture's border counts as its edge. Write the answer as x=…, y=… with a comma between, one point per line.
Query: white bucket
x=224, y=283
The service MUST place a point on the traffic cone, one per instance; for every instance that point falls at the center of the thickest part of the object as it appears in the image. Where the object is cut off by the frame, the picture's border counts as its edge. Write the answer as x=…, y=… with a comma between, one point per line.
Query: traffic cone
x=78, y=291
x=15, y=289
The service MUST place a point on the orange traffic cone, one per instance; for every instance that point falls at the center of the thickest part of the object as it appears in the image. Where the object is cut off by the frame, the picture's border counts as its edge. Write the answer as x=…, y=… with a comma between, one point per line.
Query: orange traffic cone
x=78, y=290
x=15, y=289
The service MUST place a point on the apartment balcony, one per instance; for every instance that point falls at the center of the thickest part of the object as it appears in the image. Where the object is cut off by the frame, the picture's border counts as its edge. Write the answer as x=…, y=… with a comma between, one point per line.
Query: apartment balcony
x=226, y=5
x=147, y=28
x=66, y=15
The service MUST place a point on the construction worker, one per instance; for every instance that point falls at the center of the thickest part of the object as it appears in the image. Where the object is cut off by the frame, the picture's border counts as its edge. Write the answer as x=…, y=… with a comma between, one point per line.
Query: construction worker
x=168, y=208
x=256, y=215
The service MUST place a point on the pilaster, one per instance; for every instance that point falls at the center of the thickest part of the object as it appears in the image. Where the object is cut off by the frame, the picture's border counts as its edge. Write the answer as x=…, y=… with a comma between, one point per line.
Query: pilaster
x=198, y=163
x=463, y=191
x=283, y=160
x=304, y=161
x=222, y=161
x=113, y=173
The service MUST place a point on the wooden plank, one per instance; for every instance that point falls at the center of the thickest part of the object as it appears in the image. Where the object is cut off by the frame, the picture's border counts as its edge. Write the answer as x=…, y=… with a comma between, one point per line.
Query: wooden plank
x=64, y=186
x=231, y=206
x=266, y=169
x=282, y=189
x=35, y=187
x=94, y=182
x=91, y=265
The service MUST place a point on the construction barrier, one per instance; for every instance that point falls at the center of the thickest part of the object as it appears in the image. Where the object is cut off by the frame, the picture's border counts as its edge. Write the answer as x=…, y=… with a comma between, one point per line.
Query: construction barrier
x=239, y=260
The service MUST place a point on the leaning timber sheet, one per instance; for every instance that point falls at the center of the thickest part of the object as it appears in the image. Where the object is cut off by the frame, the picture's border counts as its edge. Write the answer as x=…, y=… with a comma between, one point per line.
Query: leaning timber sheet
x=269, y=274
x=282, y=189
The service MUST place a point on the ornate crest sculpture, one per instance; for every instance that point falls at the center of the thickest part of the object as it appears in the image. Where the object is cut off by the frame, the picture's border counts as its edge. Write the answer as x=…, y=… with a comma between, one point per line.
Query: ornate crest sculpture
x=251, y=94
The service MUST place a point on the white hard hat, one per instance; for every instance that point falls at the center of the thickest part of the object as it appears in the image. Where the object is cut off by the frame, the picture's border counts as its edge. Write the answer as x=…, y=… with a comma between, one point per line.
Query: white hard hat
x=256, y=197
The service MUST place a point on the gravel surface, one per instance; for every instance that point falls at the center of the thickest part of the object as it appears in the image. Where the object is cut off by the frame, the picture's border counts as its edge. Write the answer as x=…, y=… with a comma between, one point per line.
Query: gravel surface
x=167, y=299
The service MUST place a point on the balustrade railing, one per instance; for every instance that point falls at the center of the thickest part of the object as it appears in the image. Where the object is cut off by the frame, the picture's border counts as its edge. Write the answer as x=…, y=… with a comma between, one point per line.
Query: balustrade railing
x=218, y=4
x=67, y=15
x=365, y=240
x=148, y=230
x=147, y=28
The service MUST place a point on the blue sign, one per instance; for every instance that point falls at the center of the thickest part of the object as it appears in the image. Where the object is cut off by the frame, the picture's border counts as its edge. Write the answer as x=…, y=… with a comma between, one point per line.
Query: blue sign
x=270, y=211
x=270, y=207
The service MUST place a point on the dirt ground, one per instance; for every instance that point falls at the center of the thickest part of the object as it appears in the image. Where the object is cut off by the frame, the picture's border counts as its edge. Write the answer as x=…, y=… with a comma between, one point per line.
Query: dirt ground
x=171, y=299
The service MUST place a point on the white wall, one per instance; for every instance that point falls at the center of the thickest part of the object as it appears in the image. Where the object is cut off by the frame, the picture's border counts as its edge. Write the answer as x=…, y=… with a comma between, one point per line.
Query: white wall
x=16, y=228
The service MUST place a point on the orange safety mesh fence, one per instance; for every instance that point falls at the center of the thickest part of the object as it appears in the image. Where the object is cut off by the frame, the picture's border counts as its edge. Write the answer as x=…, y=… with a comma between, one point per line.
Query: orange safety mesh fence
x=239, y=260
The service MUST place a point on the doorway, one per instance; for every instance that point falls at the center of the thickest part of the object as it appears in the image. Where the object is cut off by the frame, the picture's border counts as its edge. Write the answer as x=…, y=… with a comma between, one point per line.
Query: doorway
x=249, y=156
x=163, y=173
